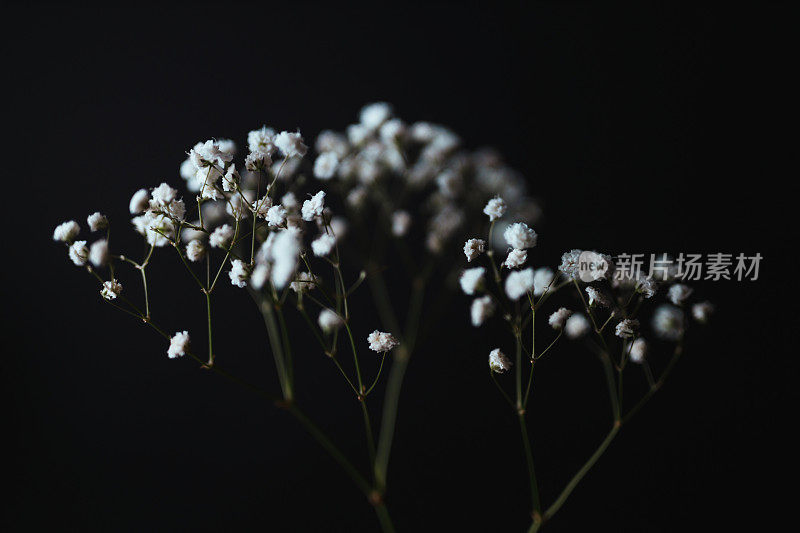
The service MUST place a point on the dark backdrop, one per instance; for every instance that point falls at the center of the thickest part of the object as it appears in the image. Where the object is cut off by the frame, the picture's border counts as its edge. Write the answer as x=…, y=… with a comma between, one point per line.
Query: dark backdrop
x=643, y=129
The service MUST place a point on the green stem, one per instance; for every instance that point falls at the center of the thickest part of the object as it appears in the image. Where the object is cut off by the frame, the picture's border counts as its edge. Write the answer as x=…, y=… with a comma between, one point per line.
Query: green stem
x=210, y=342
x=537, y=506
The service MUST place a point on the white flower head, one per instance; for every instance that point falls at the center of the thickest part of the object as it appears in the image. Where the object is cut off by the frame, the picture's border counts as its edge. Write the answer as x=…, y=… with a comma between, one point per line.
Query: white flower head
x=305, y=281
x=401, y=222
x=111, y=289
x=516, y=258
x=329, y=321
x=79, y=253
x=627, y=328
x=221, y=237
x=66, y=231
x=678, y=293
x=140, y=201
x=325, y=165
x=498, y=361
x=638, y=350
x=313, y=207
x=495, y=208
x=162, y=195
x=518, y=283
x=373, y=115
x=276, y=215
x=597, y=297
x=702, y=311
x=289, y=201
x=668, y=322
x=256, y=161
x=239, y=273
x=259, y=276
x=646, y=286
x=357, y=196
x=290, y=144
x=543, y=278
x=195, y=250
x=380, y=341
x=323, y=245
x=559, y=318
x=285, y=252
x=577, y=326
x=98, y=253
x=481, y=309
x=570, y=263
x=97, y=221
x=520, y=236
x=230, y=179
x=473, y=248
x=178, y=344
x=260, y=140
x=393, y=130
x=471, y=280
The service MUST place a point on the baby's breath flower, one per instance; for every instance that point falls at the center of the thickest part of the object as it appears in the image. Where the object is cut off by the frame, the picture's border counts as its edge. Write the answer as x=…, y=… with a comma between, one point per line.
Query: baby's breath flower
x=518, y=283
x=559, y=318
x=356, y=197
x=380, y=341
x=285, y=252
x=638, y=350
x=79, y=253
x=473, y=248
x=178, y=344
x=577, y=326
x=289, y=201
x=111, y=289
x=97, y=221
x=626, y=328
x=66, y=231
x=668, y=322
x=401, y=222
x=481, y=309
x=195, y=250
x=325, y=165
x=260, y=140
x=290, y=144
x=498, y=361
x=520, y=236
x=373, y=115
x=221, y=237
x=516, y=258
x=570, y=263
x=358, y=134
x=256, y=161
x=276, y=215
x=702, y=311
x=646, y=286
x=339, y=226
x=331, y=141
x=597, y=297
x=471, y=279
x=323, y=245
x=140, y=201
x=678, y=293
x=392, y=130
x=229, y=180
x=259, y=276
x=495, y=208
x=313, y=207
x=329, y=321
x=98, y=253
x=542, y=279
x=162, y=195
x=305, y=281
x=239, y=273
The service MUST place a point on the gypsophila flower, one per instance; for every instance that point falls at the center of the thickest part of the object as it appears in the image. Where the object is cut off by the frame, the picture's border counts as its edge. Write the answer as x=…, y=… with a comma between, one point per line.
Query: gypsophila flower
x=97, y=221
x=570, y=263
x=162, y=195
x=260, y=140
x=290, y=144
x=304, y=281
x=473, y=248
x=596, y=297
x=471, y=280
x=392, y=130
x=229, y=180
x=111, y=289
x=702, y=311
x=285, y=253
x=668, y=322
x=289, y=201
x=221, y=237
x=195, y=250
x=678, y=293
x=356, y=197
x=313, y=207
x=577, y=326
x=380, y=341
x=325, y=165
x=66, y=231
x=98, y=253
x=261, y=206
x=401, y=222
x=140, y=201
x=79, y=253
x=638, y=350
x=543, y=279
x=518, y=283
x=178, y=344
x=323, y=245
x=627, y=328
x=329, y=321
x=646, y=286
x=276, y=215
x=481, y=309
x=498, y=361
x=516, y=258
x=259, y=276
x=256, y=161
x=495, y=208
x=373, y=115
x=559, y=318
x=520, y=236
x=239, y=273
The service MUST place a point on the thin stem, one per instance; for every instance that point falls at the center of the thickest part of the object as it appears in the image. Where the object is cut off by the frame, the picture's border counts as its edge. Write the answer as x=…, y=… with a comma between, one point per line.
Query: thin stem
x=210, y=341
x=500, y=388
x=537, y=506
x=375, y=381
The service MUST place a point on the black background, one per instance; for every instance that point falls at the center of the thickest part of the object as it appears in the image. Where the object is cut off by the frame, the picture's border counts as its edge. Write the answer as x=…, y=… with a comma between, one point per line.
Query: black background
x=643, y=129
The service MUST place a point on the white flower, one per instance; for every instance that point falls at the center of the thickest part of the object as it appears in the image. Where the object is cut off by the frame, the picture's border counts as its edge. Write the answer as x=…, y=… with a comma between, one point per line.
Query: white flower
x=276, y=215
x=627, y=328
x=256, y=161
x=178, y=344
x=163, y=195
x=331, y=141
x=401, y=222
x=261, y=207
x=290, y=144
x=79, y=253
x=668, y=322
x=221, y=237
x=139, y=201
x=357, y=196
x=678, y=293
x=339, y=226
x=392, y=130
x=495, y=208
x=520, y=236
x=328, y=320
x=542, y=279
x=259, y=276
x=638, y=350
x=66, y=231
x=597, y=297
x=481, y=309
x=357, y=134
x=239, y=273
x=209, y=153
x=305, y=281
x=111, y=289
x=325, y=165
x=498, y=361
x=98, y=253
x=323, y=245
x=518, y=283
x=577, y=326
x=313, y=207
x=156, y=229
x=471, y=279
x=570, y=263
x=285, y=252
x=559, y=318
x=647, y=287
x=97, y=221
x=516, y=258
x=205, y=181
x=473, y=248
x=701, y=311
x=380, y=341
x=195, y=250
x=373, y=115
x=229, y=179
x=261, y=140
x=289, y=201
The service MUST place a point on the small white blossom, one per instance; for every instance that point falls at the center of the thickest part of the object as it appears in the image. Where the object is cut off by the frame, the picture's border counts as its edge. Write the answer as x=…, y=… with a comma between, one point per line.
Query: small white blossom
x=276, y=215
x=520, y=236
x=518, y=283
x=647, y=287
x=577, y=326
x=323, y=245
x=678, y=293
x=239, y=273
x=473, y=248
x=290, y=144
x=140, y=201
x=163, y=195
x=221, y=237
x=471, y=279
x=305, y=281
x=702, y=311
x=570, y=263
x=97, y=221
x=229, y=180
x=195, y=250
x=516, y=258
x=259, y=276
x=597, y=297
x=542, y=279
x=357, y=134
x=495, y=208
x=392, y=130
x=313, y=207
x=627, y=328
x=481, y=309
x=66, y=231
x=260, y=140
x=178, y=344
x=331, y=141
x=559, y=318
x=401, y=222
x=98, y=253
x=111, y=289
x=256, y=161
x=325, y=165
x=357, y=196
x=289, y=201
x=285, y=252
x=373, y=115
x=638, y=350
x=328, y=320
x=79, y=253
x=380, y=341
x=668, y=322
x=498, y=361
x=339, y=226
